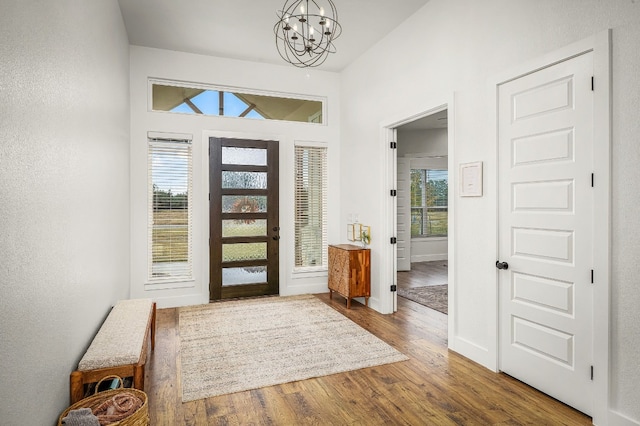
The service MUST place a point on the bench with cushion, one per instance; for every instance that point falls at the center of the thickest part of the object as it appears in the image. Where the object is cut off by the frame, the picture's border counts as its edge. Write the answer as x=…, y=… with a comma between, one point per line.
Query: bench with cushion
x=119, y=348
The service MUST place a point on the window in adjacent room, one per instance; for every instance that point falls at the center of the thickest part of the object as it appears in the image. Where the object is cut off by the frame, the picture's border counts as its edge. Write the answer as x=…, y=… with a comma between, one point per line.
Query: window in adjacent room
x=310, y=207
x=170, y=205
x=429, y=194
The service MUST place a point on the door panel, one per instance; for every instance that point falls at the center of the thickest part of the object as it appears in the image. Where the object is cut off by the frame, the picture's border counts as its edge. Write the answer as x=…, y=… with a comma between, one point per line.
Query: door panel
x=545, y=209
x=243, y=220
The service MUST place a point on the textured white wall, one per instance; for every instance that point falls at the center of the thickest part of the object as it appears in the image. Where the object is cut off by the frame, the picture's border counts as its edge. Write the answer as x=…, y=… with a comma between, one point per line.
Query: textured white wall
x=457, y=46
x=64, y=214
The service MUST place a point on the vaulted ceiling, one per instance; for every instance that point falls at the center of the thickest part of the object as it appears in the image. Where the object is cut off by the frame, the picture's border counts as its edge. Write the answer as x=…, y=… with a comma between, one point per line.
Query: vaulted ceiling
x=244, y=29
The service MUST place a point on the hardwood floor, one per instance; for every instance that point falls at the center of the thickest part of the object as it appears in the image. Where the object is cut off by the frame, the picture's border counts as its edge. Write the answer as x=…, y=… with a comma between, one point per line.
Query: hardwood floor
x=424, y=273
x=435, y=387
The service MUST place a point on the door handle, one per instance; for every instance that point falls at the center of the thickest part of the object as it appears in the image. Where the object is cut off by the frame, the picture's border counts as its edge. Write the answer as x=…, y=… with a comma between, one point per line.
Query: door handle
x=502, y=265
x=276, y=237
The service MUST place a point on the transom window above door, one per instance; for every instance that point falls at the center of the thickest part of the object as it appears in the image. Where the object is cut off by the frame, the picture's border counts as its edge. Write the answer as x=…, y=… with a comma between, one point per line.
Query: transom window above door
x=189, y=98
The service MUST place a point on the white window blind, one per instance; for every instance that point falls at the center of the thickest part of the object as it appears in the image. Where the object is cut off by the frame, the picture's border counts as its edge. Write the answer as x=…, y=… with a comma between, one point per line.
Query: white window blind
x=311, y=207
x=170, y=206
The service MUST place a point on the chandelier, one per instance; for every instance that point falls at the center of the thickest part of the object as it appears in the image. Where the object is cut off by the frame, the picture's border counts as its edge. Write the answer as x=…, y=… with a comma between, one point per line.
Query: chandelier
x=305, y=31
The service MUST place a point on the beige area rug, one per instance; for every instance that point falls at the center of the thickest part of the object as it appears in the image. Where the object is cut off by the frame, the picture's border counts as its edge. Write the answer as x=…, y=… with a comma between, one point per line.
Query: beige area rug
x=235, y=346
x=431, y=296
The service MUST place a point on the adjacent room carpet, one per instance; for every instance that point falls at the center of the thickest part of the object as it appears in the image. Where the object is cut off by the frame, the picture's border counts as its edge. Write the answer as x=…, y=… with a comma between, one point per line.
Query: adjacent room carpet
x=431, y=296
x=240, y=345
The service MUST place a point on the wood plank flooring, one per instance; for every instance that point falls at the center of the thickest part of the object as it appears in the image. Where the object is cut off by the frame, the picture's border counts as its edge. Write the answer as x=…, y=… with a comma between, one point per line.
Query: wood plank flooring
x=435, y=387
x=424, y=273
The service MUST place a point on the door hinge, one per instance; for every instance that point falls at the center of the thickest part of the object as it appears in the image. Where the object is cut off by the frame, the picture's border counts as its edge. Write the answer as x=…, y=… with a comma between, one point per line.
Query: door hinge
x=592, y=180
x=394, y=145
x=592, y=276
x=393, y=240
x=592, y=83
x=592, y=372
x=394, y=192
x=394, y=287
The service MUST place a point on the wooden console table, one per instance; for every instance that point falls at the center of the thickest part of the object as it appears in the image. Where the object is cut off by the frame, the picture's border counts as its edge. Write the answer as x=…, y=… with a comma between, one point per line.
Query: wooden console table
x=350, y=272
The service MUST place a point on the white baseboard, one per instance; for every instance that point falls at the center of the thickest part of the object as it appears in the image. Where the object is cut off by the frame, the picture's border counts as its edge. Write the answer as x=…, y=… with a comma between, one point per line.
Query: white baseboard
x=294, y=290
x=178, y=301
x=617, y=419
x=474, y=352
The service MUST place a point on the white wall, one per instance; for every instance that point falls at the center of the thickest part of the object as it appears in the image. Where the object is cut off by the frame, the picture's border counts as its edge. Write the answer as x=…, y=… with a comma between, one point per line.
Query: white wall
x=455, y=47
x=155, y=63
x=422, y=143
x=64, y=173
x=426, y=149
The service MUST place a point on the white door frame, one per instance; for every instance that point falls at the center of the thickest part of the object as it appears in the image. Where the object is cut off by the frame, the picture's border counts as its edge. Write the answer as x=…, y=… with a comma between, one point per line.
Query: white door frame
x=600, y=45
x=388, y=204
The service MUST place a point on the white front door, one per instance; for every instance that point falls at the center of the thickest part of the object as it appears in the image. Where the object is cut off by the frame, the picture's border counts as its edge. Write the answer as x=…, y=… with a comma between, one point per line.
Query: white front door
x=545, y=125
x=403, y=222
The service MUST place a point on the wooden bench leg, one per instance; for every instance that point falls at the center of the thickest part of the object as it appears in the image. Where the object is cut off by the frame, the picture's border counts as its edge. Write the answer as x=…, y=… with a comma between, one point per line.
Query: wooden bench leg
x=76, y=387
x=138, y=377
x=153, y=327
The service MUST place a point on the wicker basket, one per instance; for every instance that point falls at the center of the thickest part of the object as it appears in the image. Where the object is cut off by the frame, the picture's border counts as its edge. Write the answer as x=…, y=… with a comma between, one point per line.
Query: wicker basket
x=139, y=418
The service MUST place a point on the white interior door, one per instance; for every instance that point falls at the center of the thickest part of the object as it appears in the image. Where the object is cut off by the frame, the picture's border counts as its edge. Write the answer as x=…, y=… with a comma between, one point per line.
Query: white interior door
x=546, y=224
x=403, y=222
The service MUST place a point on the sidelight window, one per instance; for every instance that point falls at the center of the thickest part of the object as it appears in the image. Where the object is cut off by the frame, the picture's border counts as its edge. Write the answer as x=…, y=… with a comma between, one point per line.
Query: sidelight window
x=170, y=209
x=310, y=207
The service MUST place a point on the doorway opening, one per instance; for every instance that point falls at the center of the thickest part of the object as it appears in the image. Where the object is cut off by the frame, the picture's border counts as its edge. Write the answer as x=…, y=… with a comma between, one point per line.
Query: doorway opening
x=421, y=217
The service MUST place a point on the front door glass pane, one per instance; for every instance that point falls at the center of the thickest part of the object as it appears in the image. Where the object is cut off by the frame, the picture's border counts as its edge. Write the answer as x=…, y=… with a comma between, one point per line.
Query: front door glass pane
x=244, y=203
x=244, y=228
x=244, y=180
x=244, y=156
x=244, y=251
x=244, y=275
